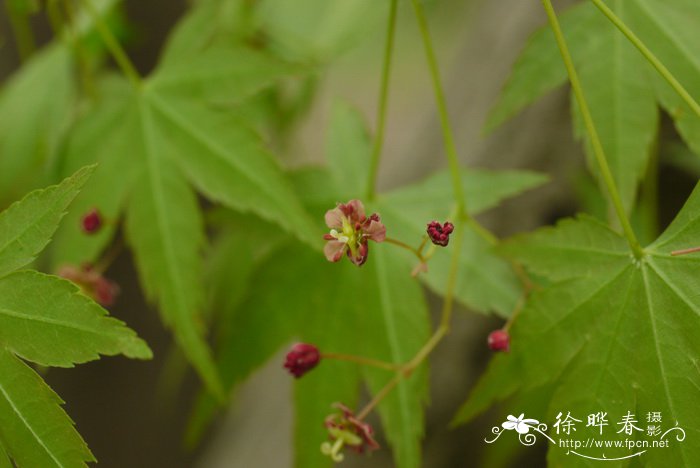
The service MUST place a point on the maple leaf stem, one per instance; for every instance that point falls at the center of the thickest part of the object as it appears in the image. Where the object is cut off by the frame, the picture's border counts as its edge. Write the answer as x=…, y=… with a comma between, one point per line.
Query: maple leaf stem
x=596, y=145
x=648, y=55
x=120, y=57
x=383, y=100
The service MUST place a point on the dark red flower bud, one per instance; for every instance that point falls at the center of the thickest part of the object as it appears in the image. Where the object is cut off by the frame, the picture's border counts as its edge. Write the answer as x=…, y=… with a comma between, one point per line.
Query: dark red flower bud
x=302, y=358
x=92, y=221
x=440, y=233
x=499, y=340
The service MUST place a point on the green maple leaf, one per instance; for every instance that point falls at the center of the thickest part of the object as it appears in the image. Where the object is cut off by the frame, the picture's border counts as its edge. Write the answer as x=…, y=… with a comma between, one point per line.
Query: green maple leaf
x=175, y=135
x=613, y=332
x=622, y=90
x=45, y=320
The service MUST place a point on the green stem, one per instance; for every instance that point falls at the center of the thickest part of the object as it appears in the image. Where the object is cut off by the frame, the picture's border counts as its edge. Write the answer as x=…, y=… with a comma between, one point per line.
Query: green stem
x=383, y=99
x=649, y=55
x=447, y=136
x=22, y=31
x=404, y=245
x=442, y=330
x=113, y=46
x=592, y=133
x=362, y=360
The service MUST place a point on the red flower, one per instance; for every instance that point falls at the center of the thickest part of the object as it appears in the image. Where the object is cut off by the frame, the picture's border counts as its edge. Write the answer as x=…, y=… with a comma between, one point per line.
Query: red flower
x=345, y=429
x=92, y=283
x=91, y=221
x=350, y=231
x=302, y=358
x=440, y=234
x=499, y=340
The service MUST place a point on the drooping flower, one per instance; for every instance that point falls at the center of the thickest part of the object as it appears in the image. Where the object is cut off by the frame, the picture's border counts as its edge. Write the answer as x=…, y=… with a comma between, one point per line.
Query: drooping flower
x=345, y=429
x=91, y=222
x=92, y=283
x=302, y=358
x=440, y=233
x=499, y=340
x=350, y=232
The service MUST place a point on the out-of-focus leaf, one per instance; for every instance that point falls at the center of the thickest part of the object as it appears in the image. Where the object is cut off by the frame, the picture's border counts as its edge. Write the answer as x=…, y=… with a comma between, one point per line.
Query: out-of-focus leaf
x=33, y=115
x=349, y=150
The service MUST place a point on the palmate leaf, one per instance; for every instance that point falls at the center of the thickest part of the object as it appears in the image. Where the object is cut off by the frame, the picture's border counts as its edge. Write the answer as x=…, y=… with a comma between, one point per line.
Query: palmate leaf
x=620, y=88
x=170, y=140
x=616, y=334
x=46, y=320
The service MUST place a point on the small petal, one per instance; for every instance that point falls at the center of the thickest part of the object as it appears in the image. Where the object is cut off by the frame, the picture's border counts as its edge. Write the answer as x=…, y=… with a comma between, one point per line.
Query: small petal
x=334, y=250
x=509, y=425
x=375, y=230
x=354, y=210
x=334, y=218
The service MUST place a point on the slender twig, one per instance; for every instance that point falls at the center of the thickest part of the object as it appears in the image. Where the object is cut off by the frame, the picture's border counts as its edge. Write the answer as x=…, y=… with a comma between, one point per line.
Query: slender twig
x=383, y=99
x=403, y=245
x=592, y=132
x=447, y=136
x=362, y=360
x=380, y=396
x=113, y=45
x=649, y=55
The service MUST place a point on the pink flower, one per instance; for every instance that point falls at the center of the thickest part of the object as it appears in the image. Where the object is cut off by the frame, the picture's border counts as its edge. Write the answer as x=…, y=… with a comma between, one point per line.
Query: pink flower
x=440, y=233
x=350, y=231
x=302, y=358
x=345, y=429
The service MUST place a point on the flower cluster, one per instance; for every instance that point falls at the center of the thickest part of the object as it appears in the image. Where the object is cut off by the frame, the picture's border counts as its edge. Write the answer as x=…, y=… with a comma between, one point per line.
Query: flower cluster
x=350, y=232
x=440, y=233
x=92, y=283
x=345, y=428
x=302, y=358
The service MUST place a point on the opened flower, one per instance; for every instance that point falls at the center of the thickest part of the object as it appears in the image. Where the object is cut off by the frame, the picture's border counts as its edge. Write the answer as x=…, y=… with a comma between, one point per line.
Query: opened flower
x=344, y=429
x=351, y=229
x=440, y=233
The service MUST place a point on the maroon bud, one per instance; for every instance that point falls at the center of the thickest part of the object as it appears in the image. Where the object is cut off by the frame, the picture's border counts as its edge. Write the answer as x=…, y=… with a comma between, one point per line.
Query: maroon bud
x=302, y=358
x=499, y=340
x=440, y=233
x=92, y=221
